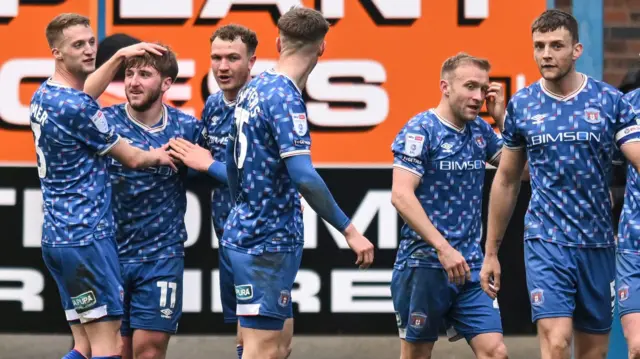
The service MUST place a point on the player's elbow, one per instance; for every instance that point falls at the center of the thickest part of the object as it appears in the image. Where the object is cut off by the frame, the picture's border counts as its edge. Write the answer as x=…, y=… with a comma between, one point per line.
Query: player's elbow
x=399, y=198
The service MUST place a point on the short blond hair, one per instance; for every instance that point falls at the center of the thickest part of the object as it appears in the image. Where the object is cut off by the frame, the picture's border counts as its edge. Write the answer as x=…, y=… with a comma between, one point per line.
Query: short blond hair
x=452, y=63
x=60, y=23
x=302, y=26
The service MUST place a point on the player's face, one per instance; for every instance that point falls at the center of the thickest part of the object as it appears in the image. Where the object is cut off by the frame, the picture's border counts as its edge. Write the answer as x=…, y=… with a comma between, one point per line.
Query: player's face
x=555, y=53
x=467, y=90
x=230, y=63
x=144, y=86
x=77, y=49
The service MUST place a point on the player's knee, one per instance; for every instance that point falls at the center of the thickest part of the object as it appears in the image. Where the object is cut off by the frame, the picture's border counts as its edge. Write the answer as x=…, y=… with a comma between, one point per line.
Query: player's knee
x=285, y=351
x=498, y=351
x=149, y=351
x=557, y=344
x=634, y=348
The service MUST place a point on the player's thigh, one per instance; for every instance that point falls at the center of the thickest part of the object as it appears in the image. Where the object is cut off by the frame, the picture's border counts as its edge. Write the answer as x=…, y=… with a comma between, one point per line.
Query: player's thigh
x=628, y=283
x=89, y=279
x=80, y=339
x=150, y=344
x=227, y=288
x=595, y=297
x=631, y=329
x=263, y=284
x=551, y=279
x=474, y=313
x=420, y=298
x=157, y=294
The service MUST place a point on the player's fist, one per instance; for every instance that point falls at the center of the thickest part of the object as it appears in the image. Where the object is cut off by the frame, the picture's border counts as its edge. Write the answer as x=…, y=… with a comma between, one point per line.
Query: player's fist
x=140, y=48
x=490, y=276
x=454, y=263
x=360, y=245
x=496, y=103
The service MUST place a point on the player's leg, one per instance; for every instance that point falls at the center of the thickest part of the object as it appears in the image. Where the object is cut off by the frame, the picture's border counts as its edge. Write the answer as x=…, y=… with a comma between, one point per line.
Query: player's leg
x=228, y=296
x=263, y=284
x=476, y=317
x=126, y=332
x=286, y=337
x=81, y=346
x=628, y=289
x=156, y=306
x=551, y=281
x=595, y=302
x=420, y=297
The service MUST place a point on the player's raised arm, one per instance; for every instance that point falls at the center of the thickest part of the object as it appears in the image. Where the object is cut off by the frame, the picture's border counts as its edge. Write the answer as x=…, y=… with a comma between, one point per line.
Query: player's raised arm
x=628, y=127
x=100, y=79
x=502, y=201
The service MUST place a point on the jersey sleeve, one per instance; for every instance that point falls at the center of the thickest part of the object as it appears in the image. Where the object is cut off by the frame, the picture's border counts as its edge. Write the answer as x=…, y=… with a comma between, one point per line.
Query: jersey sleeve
x=628, y=122
x=203, y=140
x=288, y=124
x=494, y=143
x=91, y=127
x=410, y=149
x=193, y=129
x=512, y=138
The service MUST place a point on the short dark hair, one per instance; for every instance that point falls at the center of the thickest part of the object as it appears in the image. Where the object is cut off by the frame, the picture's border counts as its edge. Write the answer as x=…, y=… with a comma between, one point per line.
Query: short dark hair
x=60, y=23
x=233, y=31
x=555, y=19
x=461, y=58
x=166, y=65
x=301, y=26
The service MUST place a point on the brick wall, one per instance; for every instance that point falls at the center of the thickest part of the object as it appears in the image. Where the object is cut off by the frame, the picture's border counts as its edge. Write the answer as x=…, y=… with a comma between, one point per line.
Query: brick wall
x=621, y=37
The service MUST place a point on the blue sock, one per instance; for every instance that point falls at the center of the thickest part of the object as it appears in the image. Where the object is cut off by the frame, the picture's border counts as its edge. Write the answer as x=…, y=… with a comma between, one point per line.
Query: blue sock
x=74, y=354
x=239, y=350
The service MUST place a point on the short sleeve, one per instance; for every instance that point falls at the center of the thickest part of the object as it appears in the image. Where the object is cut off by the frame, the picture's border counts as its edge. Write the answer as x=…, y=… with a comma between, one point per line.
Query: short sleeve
x=410, y=148
x=627, y=126
x=494, y=143
x=91, y=127
x=511, y=136
x=288, y=125
x=205, y=119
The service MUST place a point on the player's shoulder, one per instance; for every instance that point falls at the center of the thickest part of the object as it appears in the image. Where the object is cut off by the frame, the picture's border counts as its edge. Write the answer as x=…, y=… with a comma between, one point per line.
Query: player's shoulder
x=424, y=121
x=525, y=94
x=178, y=115
x=633, y=97
x=214, y=99
x=276, y=86
x=115, y=111
x=59, y=95
x=597, y=86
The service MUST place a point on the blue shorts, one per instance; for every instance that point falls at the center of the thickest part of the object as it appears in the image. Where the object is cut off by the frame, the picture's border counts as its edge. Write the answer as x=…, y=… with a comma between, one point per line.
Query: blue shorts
x=628, y=282
x=227, y=289
x=423, y=300
x=152, y=295
x=263, y=284
x=572, y=282
x=88, y=279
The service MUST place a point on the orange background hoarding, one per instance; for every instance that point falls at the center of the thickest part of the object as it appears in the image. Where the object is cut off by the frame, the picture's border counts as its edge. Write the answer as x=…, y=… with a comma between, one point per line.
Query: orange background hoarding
x=376, y=73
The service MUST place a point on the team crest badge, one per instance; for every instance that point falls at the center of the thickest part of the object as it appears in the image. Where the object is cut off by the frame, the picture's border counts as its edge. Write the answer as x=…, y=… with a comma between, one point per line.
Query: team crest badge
x=299, y=123
x=537, y=296
x=285, y=298
x=623, y=293
x=592, y=115
x=480, y=141
x=418, y=320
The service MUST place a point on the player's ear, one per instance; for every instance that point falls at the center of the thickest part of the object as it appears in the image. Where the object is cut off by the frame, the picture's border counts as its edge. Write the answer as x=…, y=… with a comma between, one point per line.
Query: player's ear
x=166, y=84
x=444, y=87
x=577, y=51
x=57, y=54
x=322, y=47
x=278, y=44
x=252, y=61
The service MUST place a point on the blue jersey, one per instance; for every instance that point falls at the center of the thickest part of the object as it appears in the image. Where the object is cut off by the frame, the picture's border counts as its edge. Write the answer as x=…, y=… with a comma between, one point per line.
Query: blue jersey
x=150, y=204
x=270, y=125
x=569, y=143
x=71, y=136
x=450, y=162
x=629, y=229
x=217, y=119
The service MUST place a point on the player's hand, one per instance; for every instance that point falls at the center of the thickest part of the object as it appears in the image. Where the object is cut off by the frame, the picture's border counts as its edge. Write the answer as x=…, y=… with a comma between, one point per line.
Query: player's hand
x=140, y=48
x=490, y=276
x=360, y=245
x=496, y=103
x=193, y=156
x=162, y=157
x=455, y=265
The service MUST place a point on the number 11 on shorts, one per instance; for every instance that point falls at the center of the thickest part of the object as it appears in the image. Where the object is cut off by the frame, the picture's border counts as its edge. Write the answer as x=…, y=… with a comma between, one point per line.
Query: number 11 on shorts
x=163, y=293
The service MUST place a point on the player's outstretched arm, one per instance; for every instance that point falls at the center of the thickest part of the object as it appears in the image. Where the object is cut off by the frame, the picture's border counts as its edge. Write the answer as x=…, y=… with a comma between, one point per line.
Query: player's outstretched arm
x=502, y=201
x=312, y=187
x=99, y=80
x=136, y=158
x=197, y=158
x=404, y=199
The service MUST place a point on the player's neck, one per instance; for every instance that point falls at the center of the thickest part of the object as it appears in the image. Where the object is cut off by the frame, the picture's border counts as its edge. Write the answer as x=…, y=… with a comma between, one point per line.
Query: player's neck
x=149, y=117
x=565, y=86
x=444, y=111
x=296, y=67
x=66, y=78
x=230, y=95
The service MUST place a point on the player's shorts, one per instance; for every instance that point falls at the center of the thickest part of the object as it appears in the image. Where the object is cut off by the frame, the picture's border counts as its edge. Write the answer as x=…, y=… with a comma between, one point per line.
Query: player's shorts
x=263, y=286
x=423, y=300
x=572, y=282
x=628, y=282
x=152, y=295
x=227, y=289
x=88, y=279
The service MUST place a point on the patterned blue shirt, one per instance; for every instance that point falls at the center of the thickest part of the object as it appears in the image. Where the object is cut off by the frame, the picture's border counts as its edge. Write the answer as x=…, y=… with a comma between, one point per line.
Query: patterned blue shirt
x=270, y=125
x=150, y=204
x=450, y=162
x=71, y=137
x=569, y=143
